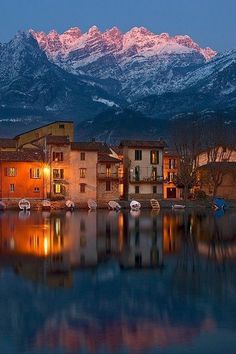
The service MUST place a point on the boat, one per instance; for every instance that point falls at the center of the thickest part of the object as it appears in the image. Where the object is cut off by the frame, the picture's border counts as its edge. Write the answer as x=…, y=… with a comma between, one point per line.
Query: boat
x=219, y=203
x=2, y=206
x=24, y=204
x=178, y=206
x=155, y=204
x=70, y=205
x=134, y=205
x=46, y=204
x=112, y=205
x=92, y=204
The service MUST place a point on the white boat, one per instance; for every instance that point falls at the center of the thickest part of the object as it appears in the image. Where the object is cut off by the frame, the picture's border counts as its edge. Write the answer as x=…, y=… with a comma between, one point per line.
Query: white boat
x=24, y=204
x=46, y=204
x=2, y=206
x=92, y=204
x=112, y=205
x=70, y=205
x=178, y=206
x=134, y=205
x=155, y=204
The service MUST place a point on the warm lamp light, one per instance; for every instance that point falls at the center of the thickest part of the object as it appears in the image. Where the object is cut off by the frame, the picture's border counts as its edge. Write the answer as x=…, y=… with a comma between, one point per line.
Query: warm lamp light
x=46, y=170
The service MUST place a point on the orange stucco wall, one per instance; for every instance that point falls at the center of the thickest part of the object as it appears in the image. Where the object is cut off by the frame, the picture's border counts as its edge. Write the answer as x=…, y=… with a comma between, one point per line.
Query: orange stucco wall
x=24, y=185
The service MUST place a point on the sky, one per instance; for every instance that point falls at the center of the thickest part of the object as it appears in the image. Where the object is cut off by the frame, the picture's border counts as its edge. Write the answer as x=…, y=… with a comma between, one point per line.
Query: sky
x=209, y=22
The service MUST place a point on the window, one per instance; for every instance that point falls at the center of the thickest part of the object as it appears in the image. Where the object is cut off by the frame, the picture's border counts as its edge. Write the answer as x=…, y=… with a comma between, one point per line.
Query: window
x=12, y=187
x=61, y=126
x=82, y=156
x=136, y=189
x=57, y=156
x=172, y=163
x=11, y=172
x=82, y=172
x=154, y=157
x=82, y=187
x=58, y=173
x=108, y=170
x=35, y=173
x=154, y=173
x=138, y=155
x=108, y=186
x=36, y=189
x=57, y=188
x=154, y=189
x=171, y=176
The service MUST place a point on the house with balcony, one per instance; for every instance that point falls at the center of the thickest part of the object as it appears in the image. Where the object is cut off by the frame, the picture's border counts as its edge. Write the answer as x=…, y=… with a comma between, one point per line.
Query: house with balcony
x=143, y=168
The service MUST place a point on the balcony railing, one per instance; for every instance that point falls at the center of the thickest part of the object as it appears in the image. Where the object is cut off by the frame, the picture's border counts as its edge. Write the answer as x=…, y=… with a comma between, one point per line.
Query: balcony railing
x=146, y=179
x=111, y=175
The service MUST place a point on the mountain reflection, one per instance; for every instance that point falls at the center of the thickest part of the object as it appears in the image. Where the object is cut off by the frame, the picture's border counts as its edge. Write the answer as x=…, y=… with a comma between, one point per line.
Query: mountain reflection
x=108, y=282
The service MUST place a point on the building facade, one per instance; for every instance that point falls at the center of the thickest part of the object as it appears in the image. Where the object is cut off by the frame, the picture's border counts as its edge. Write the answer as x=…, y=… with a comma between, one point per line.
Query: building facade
x=143, y=169
x=170, y=170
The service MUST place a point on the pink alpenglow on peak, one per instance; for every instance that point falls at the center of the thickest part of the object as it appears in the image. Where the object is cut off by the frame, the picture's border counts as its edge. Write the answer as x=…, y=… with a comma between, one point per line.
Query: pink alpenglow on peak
x=146, y=42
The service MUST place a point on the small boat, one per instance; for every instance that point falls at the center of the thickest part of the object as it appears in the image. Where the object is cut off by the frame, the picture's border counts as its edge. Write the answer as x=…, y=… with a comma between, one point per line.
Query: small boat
x=112, y=205
x=70, y=205
x=134, y=205
x=2, y=206
x=219, y=203
x=46, y=204
x=24, y=204
x=155, y=204
x=178, y=206
x=92, y=204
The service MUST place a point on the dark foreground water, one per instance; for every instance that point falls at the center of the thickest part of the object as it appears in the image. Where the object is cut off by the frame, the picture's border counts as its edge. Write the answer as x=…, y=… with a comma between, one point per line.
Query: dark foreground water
x=106, y=282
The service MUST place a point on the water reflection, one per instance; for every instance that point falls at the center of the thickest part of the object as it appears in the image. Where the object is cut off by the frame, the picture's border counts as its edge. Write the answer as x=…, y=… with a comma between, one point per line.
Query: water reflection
x=114, y=282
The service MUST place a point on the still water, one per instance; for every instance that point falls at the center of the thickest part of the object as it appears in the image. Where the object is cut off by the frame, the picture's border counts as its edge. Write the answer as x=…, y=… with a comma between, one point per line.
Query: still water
x=107, y=282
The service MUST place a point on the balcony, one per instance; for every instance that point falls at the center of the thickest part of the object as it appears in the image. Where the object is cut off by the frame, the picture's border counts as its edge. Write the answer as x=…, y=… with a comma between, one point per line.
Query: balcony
x=146, y=179
x=109, y=176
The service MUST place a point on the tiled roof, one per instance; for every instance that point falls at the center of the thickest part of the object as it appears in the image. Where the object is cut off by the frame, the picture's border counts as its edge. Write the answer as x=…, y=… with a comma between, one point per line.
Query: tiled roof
x=107, y=158
x=27, y=155
x=143, y=144
x=90, y=146
x=117, y=149
x=57, y=140
x=7, y=143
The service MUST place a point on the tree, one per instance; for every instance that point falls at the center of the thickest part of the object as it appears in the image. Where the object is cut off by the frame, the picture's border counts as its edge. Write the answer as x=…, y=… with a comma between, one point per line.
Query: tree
x=186, y=138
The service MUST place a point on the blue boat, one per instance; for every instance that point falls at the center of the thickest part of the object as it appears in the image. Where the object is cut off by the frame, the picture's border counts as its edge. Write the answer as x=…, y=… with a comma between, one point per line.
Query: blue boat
x=219, y=203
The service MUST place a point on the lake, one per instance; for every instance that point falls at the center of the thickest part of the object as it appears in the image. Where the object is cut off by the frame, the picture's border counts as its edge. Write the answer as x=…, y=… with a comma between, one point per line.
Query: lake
x=126, y=282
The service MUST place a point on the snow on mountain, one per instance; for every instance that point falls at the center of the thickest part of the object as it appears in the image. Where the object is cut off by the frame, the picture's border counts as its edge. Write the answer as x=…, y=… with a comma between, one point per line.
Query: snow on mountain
x=141, y=61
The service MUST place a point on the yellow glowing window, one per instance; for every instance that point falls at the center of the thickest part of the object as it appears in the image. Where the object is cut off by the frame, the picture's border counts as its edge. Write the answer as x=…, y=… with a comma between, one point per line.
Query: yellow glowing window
x=11, y=172
x=57, y=187
x=155, y=157
x=83, y=172
x=35, y=173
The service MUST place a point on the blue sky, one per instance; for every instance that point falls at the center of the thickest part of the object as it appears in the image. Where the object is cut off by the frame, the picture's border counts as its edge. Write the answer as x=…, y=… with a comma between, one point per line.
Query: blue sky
x=209, y=22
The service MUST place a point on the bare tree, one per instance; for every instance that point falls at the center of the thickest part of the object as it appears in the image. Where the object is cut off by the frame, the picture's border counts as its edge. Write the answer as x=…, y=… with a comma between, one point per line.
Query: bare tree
x=186, y=138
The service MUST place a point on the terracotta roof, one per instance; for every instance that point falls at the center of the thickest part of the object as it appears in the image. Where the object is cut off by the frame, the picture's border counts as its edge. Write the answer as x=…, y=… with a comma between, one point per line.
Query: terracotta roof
x=57, y=140
x=107, y=158
x=223, y=165
x=90, y=146
x=27, y=155
x=7, y=143
x=117, y=149
x=143, y=144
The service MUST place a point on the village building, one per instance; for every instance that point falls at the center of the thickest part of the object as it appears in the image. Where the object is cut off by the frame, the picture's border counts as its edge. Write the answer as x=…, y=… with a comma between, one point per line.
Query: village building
x=7, y=144
x=57, y=128
x=83, y=172
x=170, y=170
x=143, y=169
x=22, y=174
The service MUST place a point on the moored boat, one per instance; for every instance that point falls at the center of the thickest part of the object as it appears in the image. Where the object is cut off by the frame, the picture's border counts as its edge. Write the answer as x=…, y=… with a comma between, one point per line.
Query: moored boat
x=46, y=204
x=178, y=206
x=92, y=205
x=112, y=205
x=155, y=204
x=134, y=205
x=70, y=205
x=24, y=204
x=2, y=206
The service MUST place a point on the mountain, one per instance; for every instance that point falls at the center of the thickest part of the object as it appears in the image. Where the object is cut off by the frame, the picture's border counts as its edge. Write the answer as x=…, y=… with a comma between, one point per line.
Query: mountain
x=32, y=88
x=211, y=87
x=139, y=62
x=112, y=84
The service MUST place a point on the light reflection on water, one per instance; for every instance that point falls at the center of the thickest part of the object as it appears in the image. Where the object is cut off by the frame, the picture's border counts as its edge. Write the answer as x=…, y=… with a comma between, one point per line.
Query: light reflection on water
x=108, y=282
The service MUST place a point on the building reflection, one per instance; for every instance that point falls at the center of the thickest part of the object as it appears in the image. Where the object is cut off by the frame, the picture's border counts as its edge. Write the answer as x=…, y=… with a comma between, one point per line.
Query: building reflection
x=46, y=247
